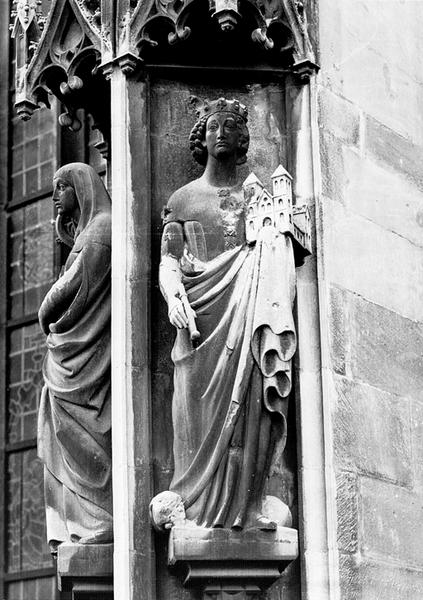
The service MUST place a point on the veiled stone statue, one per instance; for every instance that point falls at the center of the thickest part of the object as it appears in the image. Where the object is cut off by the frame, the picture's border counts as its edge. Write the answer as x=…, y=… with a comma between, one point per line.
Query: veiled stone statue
x=74, y=428
x=231, y=302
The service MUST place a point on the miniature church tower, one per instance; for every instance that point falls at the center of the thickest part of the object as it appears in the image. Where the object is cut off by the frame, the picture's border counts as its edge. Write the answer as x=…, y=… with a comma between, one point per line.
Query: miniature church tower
x=282, y=198
x=276, y=209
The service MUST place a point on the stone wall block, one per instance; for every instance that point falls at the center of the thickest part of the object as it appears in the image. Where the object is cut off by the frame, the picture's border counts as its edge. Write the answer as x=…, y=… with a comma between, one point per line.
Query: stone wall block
x=340, y=334
x=391, y=524
x=382, y=90
x=386, y=349
x=383, y=196
x=371, y=580
x=347, y=510
x=416, y=418
x=373, y=262
x=339, y=116
x=395, y=150
x=379, y=580
x=332, y=166
x=370, y=60
x=371, y=431
x=349, y=577
x=374, y=345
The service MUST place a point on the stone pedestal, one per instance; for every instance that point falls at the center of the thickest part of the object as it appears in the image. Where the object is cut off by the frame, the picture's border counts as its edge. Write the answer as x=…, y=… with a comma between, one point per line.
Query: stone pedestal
x=86, y=571
x=226, y=564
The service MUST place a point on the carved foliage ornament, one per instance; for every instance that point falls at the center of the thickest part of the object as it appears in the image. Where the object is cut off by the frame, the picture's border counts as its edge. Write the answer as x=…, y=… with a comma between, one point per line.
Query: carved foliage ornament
x=61, y=52
x=57, y=54
x=278, y=26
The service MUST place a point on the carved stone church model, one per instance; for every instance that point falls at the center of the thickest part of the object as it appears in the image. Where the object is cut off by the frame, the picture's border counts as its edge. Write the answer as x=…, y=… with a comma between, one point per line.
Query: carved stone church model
x=276, y=208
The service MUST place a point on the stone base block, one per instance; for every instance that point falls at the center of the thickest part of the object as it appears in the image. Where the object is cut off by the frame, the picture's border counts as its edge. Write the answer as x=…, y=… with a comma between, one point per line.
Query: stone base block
x=231, y=592
x=86, y=570
x=231, y=564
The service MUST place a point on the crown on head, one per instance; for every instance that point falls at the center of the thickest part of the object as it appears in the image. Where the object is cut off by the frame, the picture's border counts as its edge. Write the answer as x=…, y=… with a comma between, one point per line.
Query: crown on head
x=205, y=108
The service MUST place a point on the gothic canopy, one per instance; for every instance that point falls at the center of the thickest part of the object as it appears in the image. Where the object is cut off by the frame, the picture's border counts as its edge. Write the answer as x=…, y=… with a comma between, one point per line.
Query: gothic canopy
x=67, y=47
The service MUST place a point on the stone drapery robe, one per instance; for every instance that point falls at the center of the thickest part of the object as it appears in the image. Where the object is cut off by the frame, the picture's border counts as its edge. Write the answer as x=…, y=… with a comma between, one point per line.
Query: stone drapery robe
x=74, y=428
x=230, y=393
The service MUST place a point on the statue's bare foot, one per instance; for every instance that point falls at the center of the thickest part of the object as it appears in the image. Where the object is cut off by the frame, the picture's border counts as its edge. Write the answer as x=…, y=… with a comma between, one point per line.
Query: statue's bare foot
x=266, y=524
x=262, y=522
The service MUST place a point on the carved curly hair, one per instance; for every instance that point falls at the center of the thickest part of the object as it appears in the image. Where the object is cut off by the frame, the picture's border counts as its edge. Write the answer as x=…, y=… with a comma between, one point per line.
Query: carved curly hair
x=198, y=135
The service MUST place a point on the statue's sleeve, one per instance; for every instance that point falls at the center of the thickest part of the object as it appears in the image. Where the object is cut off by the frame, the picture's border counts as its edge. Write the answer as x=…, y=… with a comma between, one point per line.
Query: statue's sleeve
x=61, y=295
x=76, y=289
x=170, y=276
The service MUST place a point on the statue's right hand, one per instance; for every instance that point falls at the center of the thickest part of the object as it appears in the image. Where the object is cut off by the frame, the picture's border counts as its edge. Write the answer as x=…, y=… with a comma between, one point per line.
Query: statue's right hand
x=177, y=314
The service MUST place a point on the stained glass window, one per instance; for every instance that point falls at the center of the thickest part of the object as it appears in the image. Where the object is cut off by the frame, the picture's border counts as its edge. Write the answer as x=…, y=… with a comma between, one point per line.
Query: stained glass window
x=32, y=589
x=33, y=153
x=29, y=569
x=31, y=259
x=26, y=549
x=26, y=353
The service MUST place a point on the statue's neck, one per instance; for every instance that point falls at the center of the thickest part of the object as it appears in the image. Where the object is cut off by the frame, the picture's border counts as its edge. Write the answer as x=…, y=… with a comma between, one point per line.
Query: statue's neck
x=76, y=215
x=222, y=172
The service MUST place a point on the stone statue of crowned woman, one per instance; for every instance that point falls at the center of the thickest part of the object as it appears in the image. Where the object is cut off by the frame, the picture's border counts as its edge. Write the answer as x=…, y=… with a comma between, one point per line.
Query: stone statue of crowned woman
x=231, y=303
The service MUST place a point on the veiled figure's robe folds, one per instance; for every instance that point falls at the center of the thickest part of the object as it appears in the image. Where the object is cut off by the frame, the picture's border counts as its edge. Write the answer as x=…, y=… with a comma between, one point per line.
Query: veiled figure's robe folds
x=230, y=393
x=74, y=426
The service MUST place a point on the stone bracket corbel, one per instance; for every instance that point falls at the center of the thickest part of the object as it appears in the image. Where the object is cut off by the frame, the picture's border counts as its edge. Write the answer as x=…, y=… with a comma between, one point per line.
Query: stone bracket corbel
x=86, y=570
x=304, y=68
x=223, y=562
x=128, y=62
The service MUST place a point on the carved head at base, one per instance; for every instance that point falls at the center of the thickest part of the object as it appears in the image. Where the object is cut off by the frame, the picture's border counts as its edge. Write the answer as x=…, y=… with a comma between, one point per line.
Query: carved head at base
x=166, y=510
x=229, y=114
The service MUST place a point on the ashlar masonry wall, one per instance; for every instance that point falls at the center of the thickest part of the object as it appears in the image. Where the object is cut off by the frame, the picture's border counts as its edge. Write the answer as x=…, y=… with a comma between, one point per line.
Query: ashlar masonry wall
x=370, y=98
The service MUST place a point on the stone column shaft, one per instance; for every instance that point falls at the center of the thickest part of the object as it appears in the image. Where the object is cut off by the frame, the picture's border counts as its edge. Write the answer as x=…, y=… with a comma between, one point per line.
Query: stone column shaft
x=134, y=565
x=316, y=478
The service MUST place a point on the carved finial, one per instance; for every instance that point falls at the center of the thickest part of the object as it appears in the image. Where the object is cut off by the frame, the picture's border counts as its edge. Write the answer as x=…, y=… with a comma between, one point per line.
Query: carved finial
x=27, y=27
x=25, y=12
x=260, y=36
x=74, y=83
x=69, y=120
x=25, y=109
x=226, y=12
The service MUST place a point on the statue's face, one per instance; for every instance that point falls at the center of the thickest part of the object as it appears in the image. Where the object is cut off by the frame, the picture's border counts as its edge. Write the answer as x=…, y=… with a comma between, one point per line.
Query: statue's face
x=64, y=197
x=222, y=135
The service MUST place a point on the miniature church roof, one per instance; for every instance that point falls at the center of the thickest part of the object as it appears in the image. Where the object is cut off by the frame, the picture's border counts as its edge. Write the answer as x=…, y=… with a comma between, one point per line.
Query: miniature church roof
x=252, y=178
x=281, y=171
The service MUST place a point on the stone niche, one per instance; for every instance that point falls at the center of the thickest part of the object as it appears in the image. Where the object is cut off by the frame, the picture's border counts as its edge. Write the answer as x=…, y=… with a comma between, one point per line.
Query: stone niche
x=271, y=141
x=151, y=117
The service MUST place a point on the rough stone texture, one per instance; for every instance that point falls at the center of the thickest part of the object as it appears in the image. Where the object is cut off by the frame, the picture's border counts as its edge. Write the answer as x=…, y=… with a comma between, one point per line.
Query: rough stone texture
x=370, y=580
x=373, y=261
x=379, y=346
x=347, y=500
x=371, y=147
x=368, y=56
x=77, y=560
x=391, y=201
x=391, y=523
x=416, y=416
x=340, y=116
x=395, y=150
x=372, y=432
